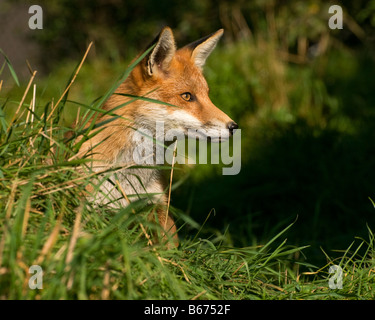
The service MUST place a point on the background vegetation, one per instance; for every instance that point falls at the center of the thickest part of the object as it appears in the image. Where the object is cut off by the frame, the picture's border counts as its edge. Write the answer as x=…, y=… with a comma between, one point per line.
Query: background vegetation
x=304, y=98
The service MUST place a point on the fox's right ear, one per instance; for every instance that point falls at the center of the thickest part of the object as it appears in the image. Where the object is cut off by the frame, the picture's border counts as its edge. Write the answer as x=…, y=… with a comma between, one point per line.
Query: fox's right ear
x=202, y=48
x=161, y=56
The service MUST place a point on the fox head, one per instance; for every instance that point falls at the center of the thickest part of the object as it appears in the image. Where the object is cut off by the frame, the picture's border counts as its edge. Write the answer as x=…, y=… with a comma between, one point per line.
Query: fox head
x=174, y=76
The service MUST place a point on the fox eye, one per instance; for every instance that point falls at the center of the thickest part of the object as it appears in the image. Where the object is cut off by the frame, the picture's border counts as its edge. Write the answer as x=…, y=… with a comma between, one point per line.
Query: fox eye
x=187, y=96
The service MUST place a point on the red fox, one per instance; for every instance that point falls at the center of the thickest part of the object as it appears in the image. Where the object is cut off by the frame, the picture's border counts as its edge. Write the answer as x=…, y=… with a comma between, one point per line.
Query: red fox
x=167, y=75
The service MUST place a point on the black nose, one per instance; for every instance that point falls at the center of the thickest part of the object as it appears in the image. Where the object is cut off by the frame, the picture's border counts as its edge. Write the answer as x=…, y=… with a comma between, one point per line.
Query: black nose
x=232, y=126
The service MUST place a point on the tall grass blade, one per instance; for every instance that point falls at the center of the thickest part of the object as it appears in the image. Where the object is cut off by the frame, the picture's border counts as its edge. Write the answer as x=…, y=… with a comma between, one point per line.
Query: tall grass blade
x=11, y=69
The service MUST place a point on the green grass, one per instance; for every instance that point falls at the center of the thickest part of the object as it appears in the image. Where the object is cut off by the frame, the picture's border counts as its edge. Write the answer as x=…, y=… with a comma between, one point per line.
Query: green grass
x=46, y=217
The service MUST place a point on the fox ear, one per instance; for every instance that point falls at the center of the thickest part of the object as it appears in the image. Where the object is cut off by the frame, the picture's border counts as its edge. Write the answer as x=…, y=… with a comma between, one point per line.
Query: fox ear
x=202, y=48
x=161, y=56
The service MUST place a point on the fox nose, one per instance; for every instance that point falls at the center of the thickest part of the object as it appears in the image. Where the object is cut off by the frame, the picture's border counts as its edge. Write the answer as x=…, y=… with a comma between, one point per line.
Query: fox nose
x=232, y=126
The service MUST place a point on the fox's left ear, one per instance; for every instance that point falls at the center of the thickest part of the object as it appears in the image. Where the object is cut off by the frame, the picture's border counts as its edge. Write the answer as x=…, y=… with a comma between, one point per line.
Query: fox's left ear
x=202, y=48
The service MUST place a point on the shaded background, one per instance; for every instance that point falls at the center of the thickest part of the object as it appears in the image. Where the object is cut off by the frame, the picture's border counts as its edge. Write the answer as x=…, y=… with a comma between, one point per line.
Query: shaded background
x=303, y=95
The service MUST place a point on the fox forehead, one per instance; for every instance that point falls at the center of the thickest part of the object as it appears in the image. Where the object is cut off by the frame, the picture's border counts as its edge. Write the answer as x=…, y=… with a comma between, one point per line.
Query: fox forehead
x=184, y=75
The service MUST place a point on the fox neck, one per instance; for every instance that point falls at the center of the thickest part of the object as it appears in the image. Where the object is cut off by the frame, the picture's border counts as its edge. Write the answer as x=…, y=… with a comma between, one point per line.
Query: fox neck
x=126, y=143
